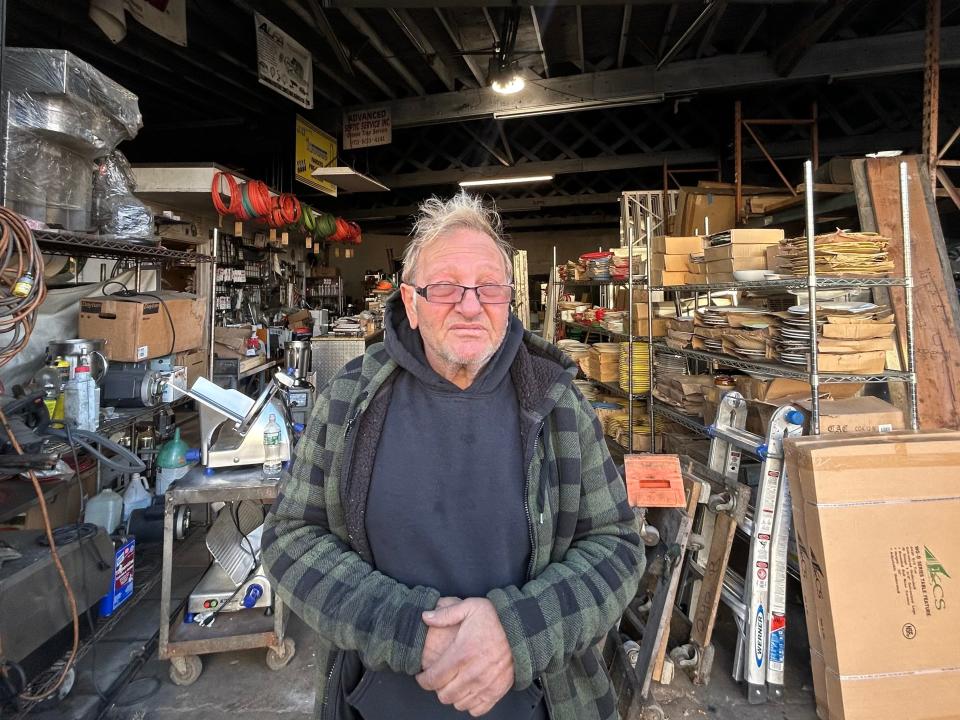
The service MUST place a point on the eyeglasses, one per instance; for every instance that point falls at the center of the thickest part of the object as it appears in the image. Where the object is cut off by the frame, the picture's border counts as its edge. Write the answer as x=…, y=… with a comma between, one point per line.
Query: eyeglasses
x=447, y=294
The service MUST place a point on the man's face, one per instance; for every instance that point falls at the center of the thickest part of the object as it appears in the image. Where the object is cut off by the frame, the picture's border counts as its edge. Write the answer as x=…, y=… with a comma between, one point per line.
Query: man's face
x=469, y=332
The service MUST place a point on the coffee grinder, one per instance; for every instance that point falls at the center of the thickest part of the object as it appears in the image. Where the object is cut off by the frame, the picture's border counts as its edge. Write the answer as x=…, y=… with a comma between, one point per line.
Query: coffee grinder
x=299, y=359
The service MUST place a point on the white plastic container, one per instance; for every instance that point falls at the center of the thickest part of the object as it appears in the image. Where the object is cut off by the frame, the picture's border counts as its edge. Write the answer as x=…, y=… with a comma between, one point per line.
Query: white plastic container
x=105, y=510
x=136, y=497
x=79, y=400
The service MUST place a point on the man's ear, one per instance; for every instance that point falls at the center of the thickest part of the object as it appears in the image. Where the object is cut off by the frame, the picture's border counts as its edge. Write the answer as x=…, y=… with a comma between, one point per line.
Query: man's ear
x=409, y=296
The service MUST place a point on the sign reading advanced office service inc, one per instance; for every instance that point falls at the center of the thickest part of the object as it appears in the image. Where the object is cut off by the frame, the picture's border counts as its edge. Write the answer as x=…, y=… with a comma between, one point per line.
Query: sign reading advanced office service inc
x=364, y=128
x=314, y=149
x=283, y=64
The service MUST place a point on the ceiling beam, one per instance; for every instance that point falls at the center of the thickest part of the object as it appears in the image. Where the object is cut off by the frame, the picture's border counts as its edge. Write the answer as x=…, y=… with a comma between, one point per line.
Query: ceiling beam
x=322, y=22
x=792, y=51
x=748, y=36
x=302, y=13
x=547, y=167
x=544, y=3
x=712, y=27
x=624, y=32
x=364, y=28
x=478, y=72
x=835, y=60
x=667, y=27
x=782, y=150
x=536, y=32
x=582, y=54
x=709, y=11
x=503, y=139
x=423, y=45
x=488, y=146
x=504, y=205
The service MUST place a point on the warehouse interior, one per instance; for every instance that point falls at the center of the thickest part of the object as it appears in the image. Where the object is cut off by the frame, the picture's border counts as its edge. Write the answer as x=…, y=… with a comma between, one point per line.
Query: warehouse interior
x=737, y=220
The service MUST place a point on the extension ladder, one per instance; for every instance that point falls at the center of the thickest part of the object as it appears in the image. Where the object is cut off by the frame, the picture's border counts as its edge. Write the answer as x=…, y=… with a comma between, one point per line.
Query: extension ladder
x=759, y=601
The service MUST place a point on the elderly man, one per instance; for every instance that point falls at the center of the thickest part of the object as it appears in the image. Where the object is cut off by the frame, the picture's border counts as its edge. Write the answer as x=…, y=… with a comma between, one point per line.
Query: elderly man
x=453, y=526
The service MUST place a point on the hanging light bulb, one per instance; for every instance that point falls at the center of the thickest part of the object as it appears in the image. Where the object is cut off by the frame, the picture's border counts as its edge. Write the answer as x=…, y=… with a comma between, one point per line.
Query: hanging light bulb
x=506, y=80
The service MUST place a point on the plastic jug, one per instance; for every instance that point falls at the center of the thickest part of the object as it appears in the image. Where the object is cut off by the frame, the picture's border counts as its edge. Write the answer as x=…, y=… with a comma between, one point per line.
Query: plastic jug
x=136, y=497
x=105, y=510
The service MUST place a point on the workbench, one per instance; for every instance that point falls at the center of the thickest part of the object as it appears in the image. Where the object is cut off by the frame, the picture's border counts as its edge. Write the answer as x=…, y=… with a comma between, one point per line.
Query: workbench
x=183, y=643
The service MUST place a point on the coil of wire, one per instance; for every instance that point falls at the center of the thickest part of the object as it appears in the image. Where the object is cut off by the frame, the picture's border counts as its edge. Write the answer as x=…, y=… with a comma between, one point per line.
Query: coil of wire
x=22, y=286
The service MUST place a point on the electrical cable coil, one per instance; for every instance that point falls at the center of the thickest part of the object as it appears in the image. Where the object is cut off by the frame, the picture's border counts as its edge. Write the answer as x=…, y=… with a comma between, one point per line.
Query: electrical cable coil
x=19, y=299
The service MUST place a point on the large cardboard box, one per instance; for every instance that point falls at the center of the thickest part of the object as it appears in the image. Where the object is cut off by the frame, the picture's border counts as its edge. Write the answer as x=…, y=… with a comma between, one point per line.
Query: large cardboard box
x=664, y=278
x=719, y=277
x=640, y=326
x=857, y=363
x=195, y=361
x=732, y=251
x=857, y=415
x=880, y=521
x=671, y=263
x=772, y=253
x=660, y=309
x=677, y=245
x=728, y=266
x=138, y=327
x=745, y=236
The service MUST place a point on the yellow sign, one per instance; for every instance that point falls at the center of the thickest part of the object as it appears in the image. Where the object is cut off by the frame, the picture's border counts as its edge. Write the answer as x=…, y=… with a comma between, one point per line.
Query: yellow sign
x=314, y=149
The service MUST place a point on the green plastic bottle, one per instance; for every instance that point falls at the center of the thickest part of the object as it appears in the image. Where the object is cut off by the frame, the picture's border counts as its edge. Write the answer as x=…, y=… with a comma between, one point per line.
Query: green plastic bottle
x=171, y=462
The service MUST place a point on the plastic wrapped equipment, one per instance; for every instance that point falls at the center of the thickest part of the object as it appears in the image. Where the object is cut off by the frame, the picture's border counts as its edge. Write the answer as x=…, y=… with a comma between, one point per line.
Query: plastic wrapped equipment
x=115, y=210
x=62, y=113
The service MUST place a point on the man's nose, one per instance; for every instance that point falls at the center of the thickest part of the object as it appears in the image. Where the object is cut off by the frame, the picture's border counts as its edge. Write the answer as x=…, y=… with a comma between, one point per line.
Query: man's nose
x=470, y=302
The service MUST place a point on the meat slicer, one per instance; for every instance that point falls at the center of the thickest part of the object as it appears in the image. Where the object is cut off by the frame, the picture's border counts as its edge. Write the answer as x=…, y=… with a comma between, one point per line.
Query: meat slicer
x=232, y=424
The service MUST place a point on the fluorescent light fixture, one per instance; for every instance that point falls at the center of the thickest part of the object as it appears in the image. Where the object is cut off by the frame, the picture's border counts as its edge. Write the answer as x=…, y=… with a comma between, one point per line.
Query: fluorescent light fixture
x=552, y=109
x=506, y=181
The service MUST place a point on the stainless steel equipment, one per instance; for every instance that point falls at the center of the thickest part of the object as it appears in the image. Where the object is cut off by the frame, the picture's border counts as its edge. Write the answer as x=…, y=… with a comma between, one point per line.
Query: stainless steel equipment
x=330, y=354
x=78, y=350
x=299, y=356
x=31, y=592
x=216, y=592
x=232, y=425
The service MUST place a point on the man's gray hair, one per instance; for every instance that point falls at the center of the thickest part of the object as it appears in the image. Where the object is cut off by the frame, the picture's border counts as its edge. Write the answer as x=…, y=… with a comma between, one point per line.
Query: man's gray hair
x=437, y=218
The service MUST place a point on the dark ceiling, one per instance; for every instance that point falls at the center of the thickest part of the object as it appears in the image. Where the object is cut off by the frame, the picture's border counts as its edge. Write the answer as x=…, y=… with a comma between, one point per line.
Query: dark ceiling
x=860, y=60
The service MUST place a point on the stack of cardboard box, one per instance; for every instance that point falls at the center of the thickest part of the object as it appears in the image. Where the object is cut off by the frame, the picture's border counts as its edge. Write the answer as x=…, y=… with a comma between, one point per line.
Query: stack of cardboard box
x=734, y=250
x=603, y=366
x=670, y=259
x=877, y=526
x=661, y=312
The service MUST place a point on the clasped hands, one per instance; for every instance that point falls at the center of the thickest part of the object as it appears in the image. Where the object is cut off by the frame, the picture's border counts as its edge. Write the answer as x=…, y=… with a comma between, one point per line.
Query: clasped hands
x=466, y=656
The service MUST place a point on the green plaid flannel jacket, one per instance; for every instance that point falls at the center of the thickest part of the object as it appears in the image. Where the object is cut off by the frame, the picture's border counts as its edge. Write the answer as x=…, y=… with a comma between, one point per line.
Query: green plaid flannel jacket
x=586, y=561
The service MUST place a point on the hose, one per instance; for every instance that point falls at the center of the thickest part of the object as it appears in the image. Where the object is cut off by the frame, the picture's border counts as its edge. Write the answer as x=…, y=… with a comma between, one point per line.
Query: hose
x=81, y=438
x=19, y=301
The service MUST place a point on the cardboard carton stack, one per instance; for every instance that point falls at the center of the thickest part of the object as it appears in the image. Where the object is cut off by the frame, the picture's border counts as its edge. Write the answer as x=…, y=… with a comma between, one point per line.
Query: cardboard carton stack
x=734, y=250
x=856, y=343
x=670, y=259
x=603, y=363
x=662, y=311
x=877, y=525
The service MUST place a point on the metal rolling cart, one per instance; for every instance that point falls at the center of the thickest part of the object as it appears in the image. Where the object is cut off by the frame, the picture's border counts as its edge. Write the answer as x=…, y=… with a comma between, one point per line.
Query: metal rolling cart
x=183, y=643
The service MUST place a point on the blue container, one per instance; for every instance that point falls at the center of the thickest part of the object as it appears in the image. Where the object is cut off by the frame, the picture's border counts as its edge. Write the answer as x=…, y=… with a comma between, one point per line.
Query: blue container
x=122, y=582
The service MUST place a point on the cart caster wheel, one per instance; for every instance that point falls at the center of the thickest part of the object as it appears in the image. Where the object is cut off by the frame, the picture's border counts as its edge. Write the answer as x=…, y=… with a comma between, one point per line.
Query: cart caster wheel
x=192, y=667
x=653, y=712
x=276, y=660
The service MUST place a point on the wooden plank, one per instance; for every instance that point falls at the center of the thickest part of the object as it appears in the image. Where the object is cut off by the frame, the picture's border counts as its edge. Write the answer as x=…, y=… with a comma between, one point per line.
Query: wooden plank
x=674, y=526
x=693, y=498
x=936, y=310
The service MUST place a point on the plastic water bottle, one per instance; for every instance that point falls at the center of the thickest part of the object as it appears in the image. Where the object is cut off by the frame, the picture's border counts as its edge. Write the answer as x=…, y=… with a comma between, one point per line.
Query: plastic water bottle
x=271, y=448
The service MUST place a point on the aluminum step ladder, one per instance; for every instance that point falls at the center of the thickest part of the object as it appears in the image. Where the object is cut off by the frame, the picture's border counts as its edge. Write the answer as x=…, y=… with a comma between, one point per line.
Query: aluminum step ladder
x=759, y=601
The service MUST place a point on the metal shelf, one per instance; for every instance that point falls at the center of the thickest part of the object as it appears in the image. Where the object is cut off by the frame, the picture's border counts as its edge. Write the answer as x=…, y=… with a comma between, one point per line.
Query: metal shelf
x=798, y=283
x=783, y=371
x=125, y=418
x=597, y=283
x=597, y=329
x=674, y=415
x=74, y=244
